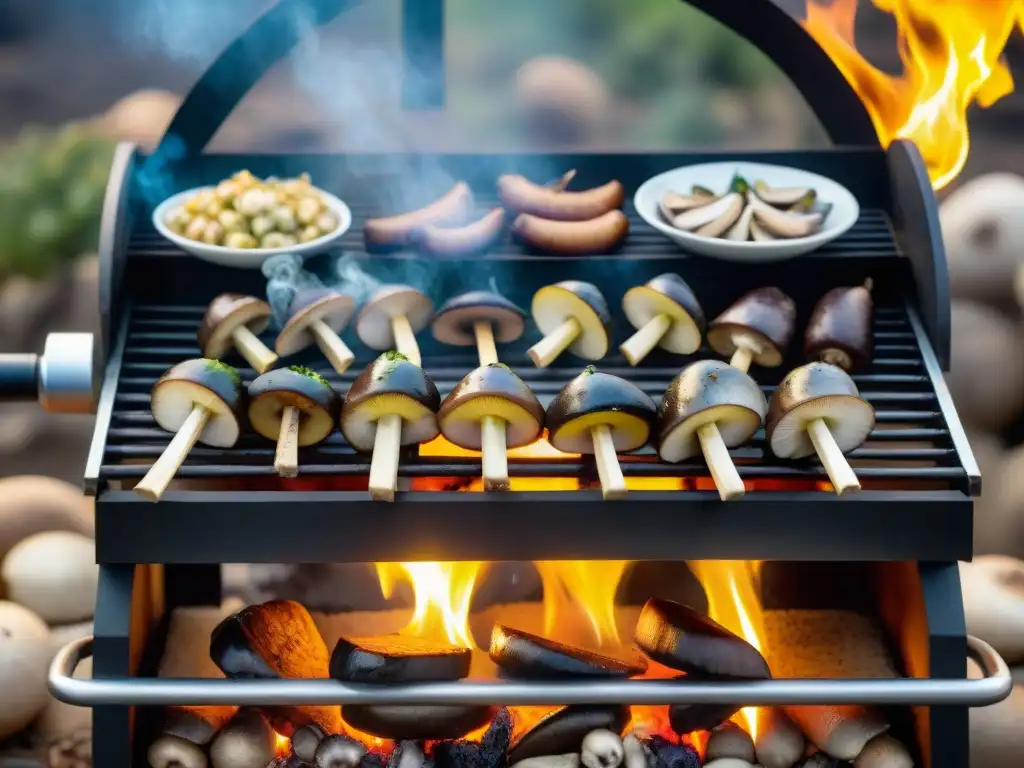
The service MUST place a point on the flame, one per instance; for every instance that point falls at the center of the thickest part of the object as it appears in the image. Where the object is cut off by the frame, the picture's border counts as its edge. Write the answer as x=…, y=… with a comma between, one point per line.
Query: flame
x=952, y=54
x=581, y=589
x=442, y=594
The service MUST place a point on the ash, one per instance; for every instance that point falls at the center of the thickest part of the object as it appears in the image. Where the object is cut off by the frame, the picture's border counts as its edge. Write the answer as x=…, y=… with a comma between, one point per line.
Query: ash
x=665, y=754
x=489, y=753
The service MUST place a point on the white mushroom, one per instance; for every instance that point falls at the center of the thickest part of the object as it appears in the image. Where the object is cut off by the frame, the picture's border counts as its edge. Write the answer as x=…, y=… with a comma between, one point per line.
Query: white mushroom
x=408, y=754
x=601, y=748
x=54, y=574
x=173, y=752
x=633, y=752
x=549, y=761
x=25, y=653
x=884, y=751
x=305, y=740
x=711, y=220
x=996, y=736
x=779, y=743
x=247, y=741
x=32, y=504
x=729, y=740
x=784, y=197
x=728, y=762
x=338, y=751
x=993, y=590
x=783, y=223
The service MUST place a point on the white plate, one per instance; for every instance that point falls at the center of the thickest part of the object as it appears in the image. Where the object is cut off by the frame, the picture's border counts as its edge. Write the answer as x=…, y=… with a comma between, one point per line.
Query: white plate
x=717, y=176
x=248, y=258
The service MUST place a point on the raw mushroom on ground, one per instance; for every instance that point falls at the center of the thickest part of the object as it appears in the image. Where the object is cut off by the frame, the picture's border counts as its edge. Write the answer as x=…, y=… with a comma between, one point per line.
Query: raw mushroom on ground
x=25, y=653
x=481, y=318
x=199, y=400
x=392, y=317
x=572, y=315
x=756, y=328
x=993, y=592
x=818, y=410
x=600, y=414
x=233, y=319
x=53, y=573
x=840, y=329
x=709, y=408
x=295, y=407
x=665, y=313
x=491, y=410
x=318, y=315
x=392, y=403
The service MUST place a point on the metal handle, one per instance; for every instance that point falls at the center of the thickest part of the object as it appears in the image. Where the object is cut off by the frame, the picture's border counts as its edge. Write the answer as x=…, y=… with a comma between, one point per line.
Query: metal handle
x=62, y=378
x=991, y=689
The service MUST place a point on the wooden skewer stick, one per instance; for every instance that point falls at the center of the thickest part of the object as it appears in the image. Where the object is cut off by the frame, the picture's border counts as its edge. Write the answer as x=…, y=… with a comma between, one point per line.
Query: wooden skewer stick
x=384, y=463
x=746, y=348
x=613, y=484
x=255, y=352
x=485, y=346
x=405, y=339
x=838, y=468
x=286, y=458
x=159, y=476
x=639, y=345
x=723, y=471
x=544, y=352
x=332, y=346
x=493, y=453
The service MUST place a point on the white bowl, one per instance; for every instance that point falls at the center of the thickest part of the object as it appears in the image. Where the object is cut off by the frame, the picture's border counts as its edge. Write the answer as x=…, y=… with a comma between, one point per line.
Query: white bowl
x=248, y=258
x=717, y=176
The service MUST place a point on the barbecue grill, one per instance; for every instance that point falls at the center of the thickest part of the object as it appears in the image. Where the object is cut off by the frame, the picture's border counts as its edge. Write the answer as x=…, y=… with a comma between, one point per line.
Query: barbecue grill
x=911, y=523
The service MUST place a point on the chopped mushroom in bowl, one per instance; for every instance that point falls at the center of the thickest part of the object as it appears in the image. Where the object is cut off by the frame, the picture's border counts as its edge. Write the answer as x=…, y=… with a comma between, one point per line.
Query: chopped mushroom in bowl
x=746, y=212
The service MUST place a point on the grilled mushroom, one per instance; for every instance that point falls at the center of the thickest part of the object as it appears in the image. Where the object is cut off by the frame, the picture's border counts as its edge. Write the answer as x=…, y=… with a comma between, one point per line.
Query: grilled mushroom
x=665, y=313
x=572, y=315
x=175, y=752
x=672, y=203
x=200, y=401
x=392, y=403
x=817, y=409
x=481, y=318
x=784, y=223
x=391, y=319
x=294, y=406
x=234, y=319
x=604, y=415
x=714, y=219
x=248, y=740
x=785, y=197
x=318, y=315
x=709, y=408
x=839, y=331
x=757, y=327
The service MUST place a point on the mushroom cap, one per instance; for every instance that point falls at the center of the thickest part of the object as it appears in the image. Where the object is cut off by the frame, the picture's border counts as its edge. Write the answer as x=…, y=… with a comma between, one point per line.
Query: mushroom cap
x=302, y=388
x=453, y=323
x=174, y=752
x=708, y=391
x=227, y=312
x=209, y=383
x=842, y=319
x=373, y=324
x=491, y=390
x=767, y=314
x=391, y=384
x=593, y=399
x=308, y=305
x=554, y=304
x=816, y=391
x=667, y=294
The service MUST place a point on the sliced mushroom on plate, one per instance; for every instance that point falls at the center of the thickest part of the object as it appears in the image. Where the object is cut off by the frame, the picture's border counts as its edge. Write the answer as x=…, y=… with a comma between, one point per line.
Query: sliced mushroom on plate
x=392, y=403
x=392, y=317
x=665, y=313
x=673, y=203
x=709, y=408
x=491, y=410
x=318, y=315
x=756, y=328
x=818, y=410
x=713, y=219
x=600, y=414
x=785, y=197
x=200, y=401
x=840, y=329
x=785, y=224
x=233, y=319
x=296, y=407
x=481, y=318
x=572, y=315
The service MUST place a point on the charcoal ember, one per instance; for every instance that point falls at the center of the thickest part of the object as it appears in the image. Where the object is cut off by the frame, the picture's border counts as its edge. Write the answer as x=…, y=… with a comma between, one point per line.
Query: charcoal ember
x=821, y=760
x=521, y=655
x=562, y=731
x=397, y=659
x=287, y=761
x=418, y=722
x=488, y=753
x=665, y=754
x=373, y=760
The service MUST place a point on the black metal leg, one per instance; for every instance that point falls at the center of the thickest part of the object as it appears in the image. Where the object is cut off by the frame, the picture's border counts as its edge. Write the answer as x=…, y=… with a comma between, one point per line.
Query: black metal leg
x=112, y=726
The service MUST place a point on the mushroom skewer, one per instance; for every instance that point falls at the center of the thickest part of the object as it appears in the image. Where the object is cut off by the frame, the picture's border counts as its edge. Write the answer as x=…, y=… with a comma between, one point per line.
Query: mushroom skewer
x=665, y=313
x=294, y=406
x=200, y=401
x=491, y=410
x=318, y=315
x=839, y=331
x=756, y=328
x=392, y=403
x=604, y=415
x=392, y=317
x=572, y=315
x=233, y=319
x=481, y=318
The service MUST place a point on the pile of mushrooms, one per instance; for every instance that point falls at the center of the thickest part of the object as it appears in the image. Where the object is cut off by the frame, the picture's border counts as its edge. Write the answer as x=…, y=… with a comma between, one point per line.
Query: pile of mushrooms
x=481, y=318
x=392, y=317
x=572, y=315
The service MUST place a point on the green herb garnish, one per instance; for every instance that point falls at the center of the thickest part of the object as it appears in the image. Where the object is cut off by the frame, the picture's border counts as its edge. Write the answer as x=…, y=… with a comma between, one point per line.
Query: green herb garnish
x=392, y=355
x=309, y=373
x=218, y=366
x=589, y=370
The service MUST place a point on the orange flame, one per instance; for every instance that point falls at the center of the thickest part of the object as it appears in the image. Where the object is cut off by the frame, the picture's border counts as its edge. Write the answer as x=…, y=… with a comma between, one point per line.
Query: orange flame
x=582, y=589
x=442, y=594
x=952, y=54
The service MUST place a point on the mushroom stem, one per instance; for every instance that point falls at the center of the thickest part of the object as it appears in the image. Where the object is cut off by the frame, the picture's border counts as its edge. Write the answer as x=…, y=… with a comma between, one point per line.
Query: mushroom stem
x=494, y=457
x=256, y=353
x=485, y=347
x=405, y=339
x=639, y=345
x=746, y=348
x=286, y=458
x=384, y=463
x=613, y=484
x=159, y=476
x=332, y=346
x=838, y=468
x=544, y=352
x=723, y=471
x=836, y=357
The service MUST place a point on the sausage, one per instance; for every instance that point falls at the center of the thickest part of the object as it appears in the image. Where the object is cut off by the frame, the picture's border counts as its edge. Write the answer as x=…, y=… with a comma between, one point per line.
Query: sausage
x=523, y=196
x=459, y=241
x=572, y=237
x=398, y=230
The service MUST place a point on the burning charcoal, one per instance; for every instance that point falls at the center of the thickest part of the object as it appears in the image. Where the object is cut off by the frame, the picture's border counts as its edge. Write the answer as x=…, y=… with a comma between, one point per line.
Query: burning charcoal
x=524, y=656
x=337, y=751
x=756, y=328
x=839, y=331
x=174, y=752
x=821, y=760
x=563, y=731
x=407, y=754
x=196, y=724
x=246, y=742
x=572, y=315
x=729, y=740
x=287, y=761
x=488, y=753
x=669, y=755
x=571, y=760
x=601, y=749
x=318, y=315
x=665, y=313
x=234, y=320
x=305, y=740
x=376, y=760
x=392, y=317
x=420, y=722
x=397, y=659
x=481, y=318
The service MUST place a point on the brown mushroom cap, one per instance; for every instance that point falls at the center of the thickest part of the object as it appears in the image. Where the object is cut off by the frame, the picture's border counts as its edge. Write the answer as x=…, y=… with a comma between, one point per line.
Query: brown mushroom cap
x=554, y=304
x=767, y=314
x=308, y=305
x=842, y=320
x=816, y=391
x=226, y=313
x=209, y=383
x=705, y=392
x=491, y=390
x=593, y=399
x=391, y=384
x=373, y=324
x=667, y=294
x=298, y=387
x=453, y=323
